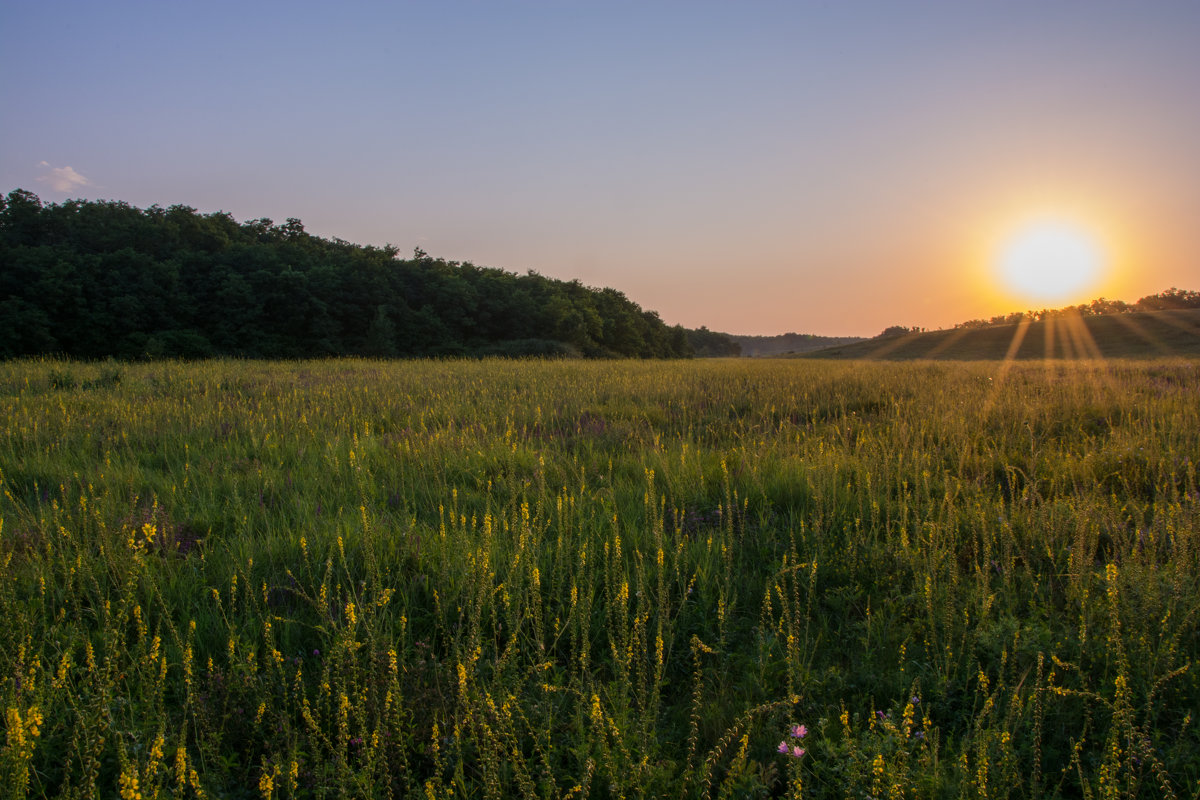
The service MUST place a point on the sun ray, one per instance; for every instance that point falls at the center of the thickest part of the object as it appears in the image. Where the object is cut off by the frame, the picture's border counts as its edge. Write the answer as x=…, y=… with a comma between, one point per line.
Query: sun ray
x=1006, y=364
x=1082, y=344
x=1090, y=357
x=947, y=342
x=1048, y=339
x=891, y=344
x=1127, y=321
x=1018, y=337
x=1180, y=319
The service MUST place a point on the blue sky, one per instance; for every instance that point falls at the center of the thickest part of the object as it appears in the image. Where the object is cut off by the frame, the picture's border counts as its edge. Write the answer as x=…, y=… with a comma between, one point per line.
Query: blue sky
x=823, y=167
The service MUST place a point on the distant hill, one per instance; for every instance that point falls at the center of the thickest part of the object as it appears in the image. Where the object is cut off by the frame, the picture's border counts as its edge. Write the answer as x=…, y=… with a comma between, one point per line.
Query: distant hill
x=1136, y=335
x=712, y=344
x=786, y=343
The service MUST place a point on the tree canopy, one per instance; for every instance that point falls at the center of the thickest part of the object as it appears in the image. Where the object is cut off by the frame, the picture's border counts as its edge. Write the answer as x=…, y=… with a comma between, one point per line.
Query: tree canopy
x=94, y=279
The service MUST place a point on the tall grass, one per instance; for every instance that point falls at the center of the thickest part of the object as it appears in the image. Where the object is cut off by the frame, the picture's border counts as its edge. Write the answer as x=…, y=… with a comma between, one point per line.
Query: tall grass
x=562, y=579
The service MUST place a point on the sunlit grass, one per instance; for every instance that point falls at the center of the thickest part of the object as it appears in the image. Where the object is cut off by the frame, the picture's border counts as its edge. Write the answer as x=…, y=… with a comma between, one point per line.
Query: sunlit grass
x=602, y=579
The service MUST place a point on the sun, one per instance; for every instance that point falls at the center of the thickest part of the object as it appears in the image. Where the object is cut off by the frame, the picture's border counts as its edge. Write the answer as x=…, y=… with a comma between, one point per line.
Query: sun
x=1051, y=260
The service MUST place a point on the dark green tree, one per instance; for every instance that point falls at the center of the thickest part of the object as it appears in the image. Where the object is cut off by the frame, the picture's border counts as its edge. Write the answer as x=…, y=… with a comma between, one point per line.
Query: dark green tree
x=381, y=336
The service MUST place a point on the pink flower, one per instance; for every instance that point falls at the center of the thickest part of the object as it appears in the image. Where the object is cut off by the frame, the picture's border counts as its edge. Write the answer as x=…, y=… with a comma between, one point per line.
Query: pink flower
x=799, y=731
x=783, y=748
x=797, y=752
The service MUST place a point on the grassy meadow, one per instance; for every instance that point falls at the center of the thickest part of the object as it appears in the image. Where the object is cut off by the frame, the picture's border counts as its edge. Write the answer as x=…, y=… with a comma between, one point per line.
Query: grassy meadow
x=563, y=579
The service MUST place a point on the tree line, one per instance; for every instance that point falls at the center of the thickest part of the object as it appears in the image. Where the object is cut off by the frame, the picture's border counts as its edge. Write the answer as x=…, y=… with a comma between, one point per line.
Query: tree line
x=96, y=279
x=1171, y=299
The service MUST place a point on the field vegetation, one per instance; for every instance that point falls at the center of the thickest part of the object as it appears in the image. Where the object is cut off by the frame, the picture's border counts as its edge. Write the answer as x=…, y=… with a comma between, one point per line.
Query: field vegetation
x=486, y=579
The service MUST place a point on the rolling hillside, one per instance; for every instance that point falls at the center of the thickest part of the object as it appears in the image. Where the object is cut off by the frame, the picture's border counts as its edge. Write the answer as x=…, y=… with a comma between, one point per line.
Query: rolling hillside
x=789, y=343
x=1140, y=335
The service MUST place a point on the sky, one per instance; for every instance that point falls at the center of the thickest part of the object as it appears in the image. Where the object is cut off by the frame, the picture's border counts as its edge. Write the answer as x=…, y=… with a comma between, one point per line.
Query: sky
x=757, y=168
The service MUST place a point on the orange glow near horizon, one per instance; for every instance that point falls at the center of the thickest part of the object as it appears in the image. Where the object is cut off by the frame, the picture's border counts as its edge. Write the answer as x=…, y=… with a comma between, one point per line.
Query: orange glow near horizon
x=1052, y=259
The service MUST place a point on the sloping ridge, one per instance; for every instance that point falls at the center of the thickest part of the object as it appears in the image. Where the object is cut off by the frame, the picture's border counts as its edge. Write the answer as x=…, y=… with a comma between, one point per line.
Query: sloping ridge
x=1140, y=335
x=758, y=346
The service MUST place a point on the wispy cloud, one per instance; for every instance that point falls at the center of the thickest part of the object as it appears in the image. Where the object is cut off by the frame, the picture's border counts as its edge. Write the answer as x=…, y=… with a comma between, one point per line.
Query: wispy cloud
x=62, y=179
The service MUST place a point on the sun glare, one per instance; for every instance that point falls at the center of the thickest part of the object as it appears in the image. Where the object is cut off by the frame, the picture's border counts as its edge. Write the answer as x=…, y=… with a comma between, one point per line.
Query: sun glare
x=1050, y=260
